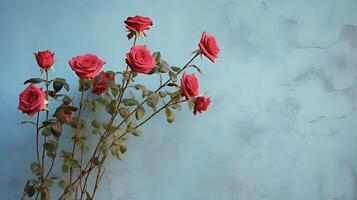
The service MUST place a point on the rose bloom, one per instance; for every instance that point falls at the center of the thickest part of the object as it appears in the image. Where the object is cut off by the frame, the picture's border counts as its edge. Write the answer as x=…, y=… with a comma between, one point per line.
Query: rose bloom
x=32, y=100
x=86, y=66
x=208, y=46
x=100, y=87
x=201, y=104
x=64, y=116
x=137, y=24
x=189, y=85
x=140, y=60
x=45, y=59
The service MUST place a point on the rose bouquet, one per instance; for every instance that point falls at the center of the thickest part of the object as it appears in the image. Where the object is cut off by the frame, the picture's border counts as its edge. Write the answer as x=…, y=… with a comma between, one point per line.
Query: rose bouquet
x=128, y=104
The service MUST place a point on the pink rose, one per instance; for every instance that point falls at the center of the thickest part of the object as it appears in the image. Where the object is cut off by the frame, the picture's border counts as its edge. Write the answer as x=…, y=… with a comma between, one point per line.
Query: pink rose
x=100, y=87
x=137, y=24
x=189, y=85
x=208, y=46
x=201, y=104
x=140, y=60
x=32, y=100
x=86, y=66
x=45, y=59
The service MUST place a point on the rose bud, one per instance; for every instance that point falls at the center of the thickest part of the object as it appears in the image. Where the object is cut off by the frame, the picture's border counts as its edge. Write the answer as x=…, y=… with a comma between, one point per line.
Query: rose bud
x=189, y=85
x=32, y=100
x=86, y=66
x=137, y=25
x=208, y=46
x=140, y=60
x=101, y=86
x=201, y=104
x=45, y=59
x=65, y=116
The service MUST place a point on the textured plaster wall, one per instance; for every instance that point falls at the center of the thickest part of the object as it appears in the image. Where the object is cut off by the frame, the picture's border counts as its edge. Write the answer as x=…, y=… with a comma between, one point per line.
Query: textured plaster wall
x=282, y=124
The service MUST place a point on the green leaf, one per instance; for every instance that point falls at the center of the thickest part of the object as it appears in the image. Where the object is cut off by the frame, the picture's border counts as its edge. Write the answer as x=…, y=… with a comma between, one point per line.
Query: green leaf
x=109, y=127
x=47, y=131
x=137, y=133
x=197, y=68
x=173, y=76
x=170, y=117
x=153, y=100
x=176, y=106
x=48, y=183
x=157, y=56
x=36, y=168
x=34, y=80
x=140, y=111
x=129, y=102
x=84, y=85
x=123, y=148
x=162, y=94
x=95, y=131
x=66, y=100
x=62, y=184
x=140, y=87
x=65, y=168
x=191, y=104
x=102, y=100
x=114, y=91
x=56, y=129
x=49, y=146
x=66, y=86
x=111, y=107
x=164, y=67
x=58, y=85
x=124, y=112
x=74, y=164
x=175, y=69
x=96, y=124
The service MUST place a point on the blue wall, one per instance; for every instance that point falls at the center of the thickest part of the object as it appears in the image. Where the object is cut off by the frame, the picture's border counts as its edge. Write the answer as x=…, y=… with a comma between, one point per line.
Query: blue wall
x=282, y=122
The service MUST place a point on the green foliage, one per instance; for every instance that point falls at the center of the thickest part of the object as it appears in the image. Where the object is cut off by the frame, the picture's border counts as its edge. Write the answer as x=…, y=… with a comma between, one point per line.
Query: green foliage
x=124, y=112
x=84, y=84
x=152, y=100
x=59, y=83
x=36, y=168
x=34, y=80
x=170, y=117
x=140, y=111
x=111, y=108
x=130, y=102
x=96, y=123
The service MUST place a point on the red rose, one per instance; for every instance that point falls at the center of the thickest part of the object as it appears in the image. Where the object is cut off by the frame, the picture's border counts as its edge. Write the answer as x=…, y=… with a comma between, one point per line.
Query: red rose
x=201, y=104
x=100, y=87
x=64, y=116
x=208, y=46
x=45, y=59
x=32, y=100
x=137, y=24
x=140, y=60
x=86, y=66
x=189, y=85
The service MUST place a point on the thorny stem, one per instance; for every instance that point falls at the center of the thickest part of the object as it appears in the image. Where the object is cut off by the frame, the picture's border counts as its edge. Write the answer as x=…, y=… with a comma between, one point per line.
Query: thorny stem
x=37, y=138
x=47, y=83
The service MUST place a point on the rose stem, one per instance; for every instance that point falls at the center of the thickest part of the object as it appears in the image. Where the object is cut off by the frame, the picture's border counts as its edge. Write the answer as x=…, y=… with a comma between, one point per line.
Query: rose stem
x=75, y=140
